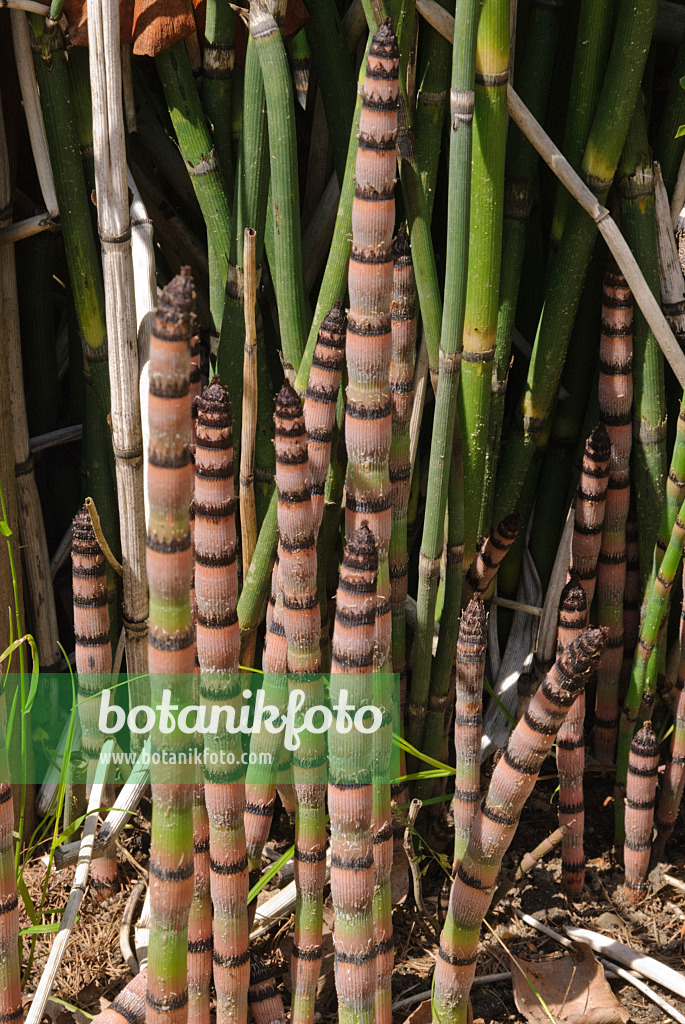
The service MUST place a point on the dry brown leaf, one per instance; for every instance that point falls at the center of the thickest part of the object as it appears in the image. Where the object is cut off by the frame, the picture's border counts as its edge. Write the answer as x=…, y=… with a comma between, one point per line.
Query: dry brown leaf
x=572, y=986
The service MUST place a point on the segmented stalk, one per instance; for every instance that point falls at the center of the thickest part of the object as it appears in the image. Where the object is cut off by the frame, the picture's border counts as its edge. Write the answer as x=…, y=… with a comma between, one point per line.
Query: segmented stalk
x=590, y=508
x=302, y=624
x=496, y=821
x=489, y=557
x=615, y=406
x=218, y=650
x=350, y=789
x=263, y=997
x=129, y=1005
x=93, y=665
x=642, y=688
x=631, y=600
x=218, y=59
x=573, y=616
x=200, y=917
x=171, y=649
x=320, y=402
x=673, y=783
x=643, y=767
x=468, y=721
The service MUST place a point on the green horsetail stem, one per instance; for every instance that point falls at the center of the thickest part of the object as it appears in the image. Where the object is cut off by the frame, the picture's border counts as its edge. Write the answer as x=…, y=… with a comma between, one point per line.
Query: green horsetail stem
x=218, y=650
x=302, y=625
x=200, y=916
x=201, y=159
x=668, y=149
x=573, y=619
x=350, y=788
x=615, y=406
x=485, y=252
x=671, y=794
x=642, y=688
x=458, y=218
x=93, y=665
x=293, y=306
x=171, y=647
x=593, y=38
x=610, y=125
x=218, y=60
x=433, y=78
x=496, y=821
x=638, y=223
x=514, y=204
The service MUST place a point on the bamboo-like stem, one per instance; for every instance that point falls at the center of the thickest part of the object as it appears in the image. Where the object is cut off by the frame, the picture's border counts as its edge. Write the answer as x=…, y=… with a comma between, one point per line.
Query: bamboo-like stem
x=368, y=429
x=114, y=225
x=320, y=403
x=263, y=997
x=217, y=71
x=489, y=557
x=302, y=624
x=468, y=722
x=93, y=665
x=218, y=649
x=668, y=148
x=27, y=228
x=290, y=295
x=643, y=767
x=461, y=117
x=636, y=189
x=608, y=133
x=615, y=406
x=200, y=917
x=485, y=251
x=514, y=204
x=248, y=514
x=495, y=824
x=670, y=272
x=34, y=117
x=129, y=1005
x=673, y=783
x=642, y=688
x=144, y=275
x=573, y=619
x=38, y=585
x=350, y=788
x=433, y=77
x=171, y=648
x=590, y=509
x=632, y=595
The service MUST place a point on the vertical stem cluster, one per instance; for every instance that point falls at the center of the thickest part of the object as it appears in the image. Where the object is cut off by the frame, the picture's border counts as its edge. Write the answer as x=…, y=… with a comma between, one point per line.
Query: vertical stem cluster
x=320, y=402
x=673, y=783
x=302, y=625
x=615, y=407
x=643, y=767
x=93, y=662
x=589, y=514
x=171, y=647
x=573, y=616
x=218, y=650
x=495, y=824
x=468, y=721
x=350, y=789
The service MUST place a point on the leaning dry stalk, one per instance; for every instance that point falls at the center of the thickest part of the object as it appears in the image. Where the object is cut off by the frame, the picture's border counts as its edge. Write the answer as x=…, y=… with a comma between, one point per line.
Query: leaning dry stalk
x=263, y=997
x=468, y=721
x=350, y=788
x=321, y=400
x=589, y=514
x=673, y=783
x=93, y=663
x=643, y=767
x=171, y=649
x=218, y=650
x=615, y=407
x=489, y=557
x=35, y=559
x=573, y=615
x=114, y=225
x=495, y=824
x=368, y=427
x=302, y=624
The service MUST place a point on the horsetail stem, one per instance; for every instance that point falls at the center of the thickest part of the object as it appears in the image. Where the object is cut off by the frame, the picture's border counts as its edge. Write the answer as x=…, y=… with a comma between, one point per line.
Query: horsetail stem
x=489, y=557
x=573, y=616
x=350, y=788
x=615, y=406
x=171, y=648
x=589, y=514
x=673, y=783
x=200, y=917
x=93, y=663
x=263, y=997
x=218, y=648
x=496, y=820
x=643, y=767
x=302, y=624
x=468, y=721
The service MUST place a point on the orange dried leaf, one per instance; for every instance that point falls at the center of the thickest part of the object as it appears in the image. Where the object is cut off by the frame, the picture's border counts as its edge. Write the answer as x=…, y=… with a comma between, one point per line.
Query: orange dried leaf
x=158, y=24
x=572, y=986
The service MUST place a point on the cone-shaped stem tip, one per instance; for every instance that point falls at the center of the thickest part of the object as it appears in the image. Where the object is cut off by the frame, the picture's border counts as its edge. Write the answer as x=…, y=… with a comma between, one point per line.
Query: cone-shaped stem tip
x=598, y=446
x=510, y=525
x=384, y=43
x=645, y=742
x=573, y=597
x=259, y=969
x=473, y=620
x=361, y=552
x=215, y=400
x=178, y=298
x=402, y=248
x=82, y=527
x=581, y=657
x=288, y=404
x=335, y=320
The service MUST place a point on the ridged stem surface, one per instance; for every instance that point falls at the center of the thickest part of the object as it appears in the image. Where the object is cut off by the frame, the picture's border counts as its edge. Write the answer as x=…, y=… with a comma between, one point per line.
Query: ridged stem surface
x=671, y=794
x=643, y=767
x=468, y=722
